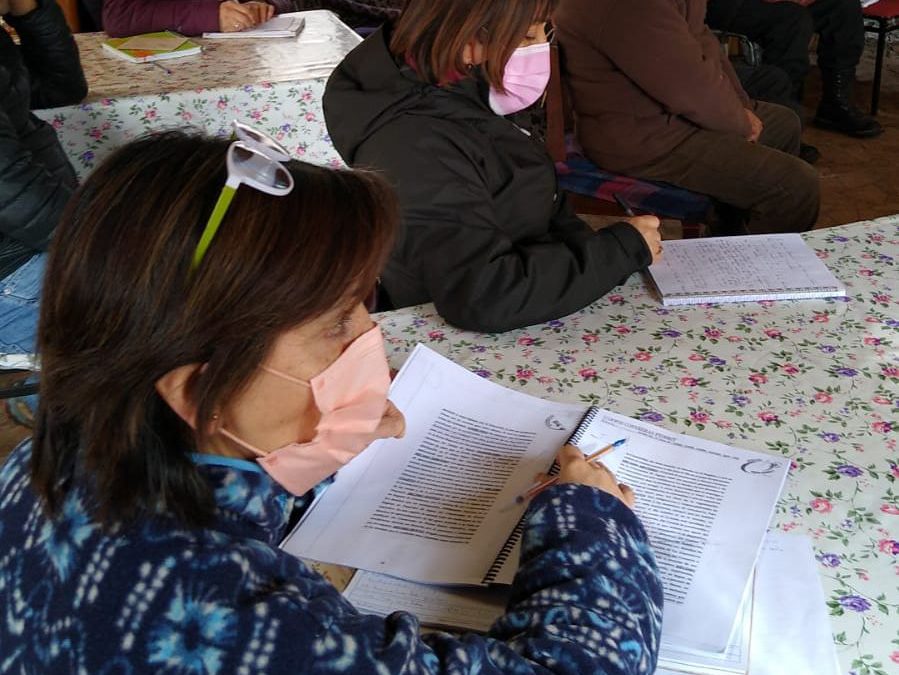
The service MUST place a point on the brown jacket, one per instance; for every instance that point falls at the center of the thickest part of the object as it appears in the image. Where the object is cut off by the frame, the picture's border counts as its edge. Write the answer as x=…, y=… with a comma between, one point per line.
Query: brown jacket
x=644, y=76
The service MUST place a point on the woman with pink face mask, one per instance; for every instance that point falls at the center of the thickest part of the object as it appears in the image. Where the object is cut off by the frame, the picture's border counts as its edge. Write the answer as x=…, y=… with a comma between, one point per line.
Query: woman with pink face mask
x=485, y=234
x=207, y=366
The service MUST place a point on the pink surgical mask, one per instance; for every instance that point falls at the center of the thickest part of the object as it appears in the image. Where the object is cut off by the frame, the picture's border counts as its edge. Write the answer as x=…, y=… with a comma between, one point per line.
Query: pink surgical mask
x=524, y=79
x=351, y=395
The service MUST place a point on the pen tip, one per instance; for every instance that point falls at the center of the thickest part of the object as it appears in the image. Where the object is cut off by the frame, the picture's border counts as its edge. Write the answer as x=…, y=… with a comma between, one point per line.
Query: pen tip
x=620, y=441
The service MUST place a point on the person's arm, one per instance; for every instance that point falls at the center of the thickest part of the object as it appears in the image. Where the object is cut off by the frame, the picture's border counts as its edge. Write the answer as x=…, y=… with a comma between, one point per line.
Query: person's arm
x=652, y=45
x=478, y=277
x=31, y=198
x=50, y=54
x=122, y=18
x=587, y=599
x=713, y=45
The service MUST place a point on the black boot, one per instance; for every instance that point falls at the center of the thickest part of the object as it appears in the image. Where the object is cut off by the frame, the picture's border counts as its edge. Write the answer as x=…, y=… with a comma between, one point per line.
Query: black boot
x=836, y=111
x=809, y=153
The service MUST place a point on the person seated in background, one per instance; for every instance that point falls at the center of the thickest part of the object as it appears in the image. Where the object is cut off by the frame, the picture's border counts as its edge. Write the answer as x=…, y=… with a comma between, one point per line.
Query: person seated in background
x=783, y=29
x=485, y=234
x=356, y=13
x=656, y=98
x=189, y=17
x=765, y=82
x=202, y=375
x=36, y=177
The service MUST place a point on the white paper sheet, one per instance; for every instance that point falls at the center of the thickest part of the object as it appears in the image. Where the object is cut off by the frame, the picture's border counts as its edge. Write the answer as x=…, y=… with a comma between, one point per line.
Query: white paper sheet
x=734, y=659
x=792, y=632
x=468, y=609
x=706, y=507
x=443, y=491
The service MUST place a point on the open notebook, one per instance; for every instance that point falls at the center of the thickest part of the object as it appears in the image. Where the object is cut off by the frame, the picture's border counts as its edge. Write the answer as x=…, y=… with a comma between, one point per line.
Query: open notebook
x=438, y=506
x=742, y=269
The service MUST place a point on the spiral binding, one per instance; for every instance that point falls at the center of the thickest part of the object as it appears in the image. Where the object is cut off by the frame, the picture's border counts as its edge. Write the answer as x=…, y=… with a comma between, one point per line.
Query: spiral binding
x=514, y=538
x=582, y=427
x=504, y=553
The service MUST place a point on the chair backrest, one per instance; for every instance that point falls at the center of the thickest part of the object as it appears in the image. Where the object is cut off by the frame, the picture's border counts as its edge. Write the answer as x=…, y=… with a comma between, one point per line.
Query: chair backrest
x=556, y=108
x=738, y=46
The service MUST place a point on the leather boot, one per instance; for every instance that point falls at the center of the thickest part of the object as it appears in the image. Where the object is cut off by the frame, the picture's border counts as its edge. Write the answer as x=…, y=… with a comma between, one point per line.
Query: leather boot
x=836, y=111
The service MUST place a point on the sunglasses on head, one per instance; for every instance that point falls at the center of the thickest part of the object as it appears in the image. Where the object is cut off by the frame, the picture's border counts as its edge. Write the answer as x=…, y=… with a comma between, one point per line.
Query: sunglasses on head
x=254, y=159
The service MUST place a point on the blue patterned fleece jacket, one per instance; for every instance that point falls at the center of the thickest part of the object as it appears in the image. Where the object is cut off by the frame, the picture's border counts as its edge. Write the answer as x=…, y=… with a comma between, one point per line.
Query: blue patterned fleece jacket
x=153, y=597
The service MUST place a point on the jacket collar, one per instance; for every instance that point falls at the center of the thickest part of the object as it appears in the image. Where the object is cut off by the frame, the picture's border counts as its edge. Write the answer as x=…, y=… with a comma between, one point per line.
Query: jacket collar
x=249, y=503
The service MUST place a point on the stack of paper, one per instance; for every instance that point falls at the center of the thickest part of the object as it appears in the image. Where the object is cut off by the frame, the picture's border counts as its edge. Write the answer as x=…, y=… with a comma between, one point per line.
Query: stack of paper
x=783, y=626
x=283, y=26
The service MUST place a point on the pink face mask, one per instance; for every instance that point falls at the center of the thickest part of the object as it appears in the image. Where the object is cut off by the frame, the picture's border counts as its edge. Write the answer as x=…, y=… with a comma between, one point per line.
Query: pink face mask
x=524, y=79
x=351, y=395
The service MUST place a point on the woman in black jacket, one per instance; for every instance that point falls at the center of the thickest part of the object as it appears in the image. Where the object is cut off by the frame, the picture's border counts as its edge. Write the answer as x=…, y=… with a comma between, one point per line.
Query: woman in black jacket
x=485, y=234
x=36, y=178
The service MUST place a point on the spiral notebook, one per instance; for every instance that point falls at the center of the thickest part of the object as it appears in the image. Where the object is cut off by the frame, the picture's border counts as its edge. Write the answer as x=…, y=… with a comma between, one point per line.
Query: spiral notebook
x=438, y=505
x=742, y=269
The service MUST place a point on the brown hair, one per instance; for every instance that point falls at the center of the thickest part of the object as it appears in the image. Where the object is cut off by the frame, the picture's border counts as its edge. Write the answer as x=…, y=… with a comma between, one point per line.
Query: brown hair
x=120, y=309
x=433, y=33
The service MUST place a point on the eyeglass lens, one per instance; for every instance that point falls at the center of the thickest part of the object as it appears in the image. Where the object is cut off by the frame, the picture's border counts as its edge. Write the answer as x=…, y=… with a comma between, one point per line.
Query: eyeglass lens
x=261, y=168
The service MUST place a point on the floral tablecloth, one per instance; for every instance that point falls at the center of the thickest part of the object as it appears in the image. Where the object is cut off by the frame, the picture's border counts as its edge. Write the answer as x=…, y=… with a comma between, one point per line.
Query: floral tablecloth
x=817, y=381
x=276, y=85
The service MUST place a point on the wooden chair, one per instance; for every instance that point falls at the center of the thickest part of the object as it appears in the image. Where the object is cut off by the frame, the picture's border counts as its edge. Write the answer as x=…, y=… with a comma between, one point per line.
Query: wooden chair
x=70, y=10
x=590, y=190
x=881, y=18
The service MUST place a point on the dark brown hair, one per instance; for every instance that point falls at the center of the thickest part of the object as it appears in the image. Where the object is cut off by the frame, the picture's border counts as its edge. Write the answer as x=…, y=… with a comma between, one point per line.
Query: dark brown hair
x=120, y=309
x=433, y=33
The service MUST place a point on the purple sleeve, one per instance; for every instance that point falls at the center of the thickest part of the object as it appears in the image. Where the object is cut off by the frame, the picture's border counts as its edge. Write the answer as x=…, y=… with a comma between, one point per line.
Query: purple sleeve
x=133, y=17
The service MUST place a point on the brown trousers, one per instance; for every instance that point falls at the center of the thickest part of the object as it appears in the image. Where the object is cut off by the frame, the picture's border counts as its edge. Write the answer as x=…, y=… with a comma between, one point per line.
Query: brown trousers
x=779, y=191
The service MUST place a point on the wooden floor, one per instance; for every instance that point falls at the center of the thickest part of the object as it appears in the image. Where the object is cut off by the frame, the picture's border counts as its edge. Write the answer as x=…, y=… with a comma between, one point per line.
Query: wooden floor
x=859, y=179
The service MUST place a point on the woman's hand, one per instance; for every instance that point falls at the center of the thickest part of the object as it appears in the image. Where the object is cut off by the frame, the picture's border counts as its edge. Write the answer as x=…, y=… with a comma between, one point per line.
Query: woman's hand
x=234, y=16
x=756, y=126
x=575, y=469
x=393, y=423
x=648, y=227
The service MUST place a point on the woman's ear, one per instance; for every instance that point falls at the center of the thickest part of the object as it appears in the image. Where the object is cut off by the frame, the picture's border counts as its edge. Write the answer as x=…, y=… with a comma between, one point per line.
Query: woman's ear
x=174, y=390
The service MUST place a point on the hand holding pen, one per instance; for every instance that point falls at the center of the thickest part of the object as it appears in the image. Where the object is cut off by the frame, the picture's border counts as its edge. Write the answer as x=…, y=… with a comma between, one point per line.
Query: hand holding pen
x=575, y=468
x=647, y=226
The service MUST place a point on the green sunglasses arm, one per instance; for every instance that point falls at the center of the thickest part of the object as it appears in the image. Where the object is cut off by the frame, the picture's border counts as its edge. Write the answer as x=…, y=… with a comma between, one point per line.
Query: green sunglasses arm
x=212, y=225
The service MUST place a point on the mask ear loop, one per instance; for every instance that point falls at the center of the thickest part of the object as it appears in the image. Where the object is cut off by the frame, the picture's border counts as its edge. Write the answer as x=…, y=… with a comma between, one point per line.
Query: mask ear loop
x=227, y=434
x=285, y=376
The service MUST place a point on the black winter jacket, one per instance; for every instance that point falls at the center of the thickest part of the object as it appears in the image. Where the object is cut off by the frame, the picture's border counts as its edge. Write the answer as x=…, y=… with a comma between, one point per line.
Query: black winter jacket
x=484, y=235
x=721, y=13
x=36, y=178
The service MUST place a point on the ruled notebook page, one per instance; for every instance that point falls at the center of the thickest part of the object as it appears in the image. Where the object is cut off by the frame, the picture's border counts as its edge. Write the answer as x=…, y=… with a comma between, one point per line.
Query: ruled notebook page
x=741, y=269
